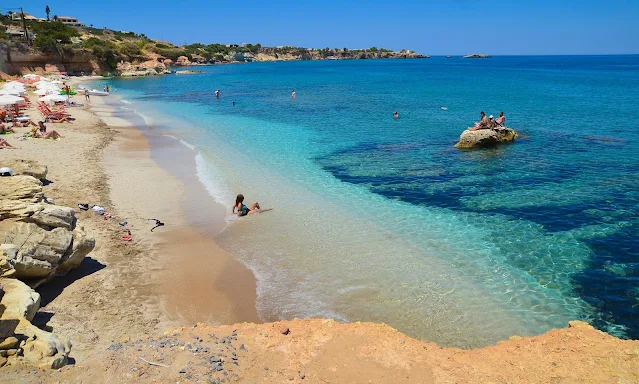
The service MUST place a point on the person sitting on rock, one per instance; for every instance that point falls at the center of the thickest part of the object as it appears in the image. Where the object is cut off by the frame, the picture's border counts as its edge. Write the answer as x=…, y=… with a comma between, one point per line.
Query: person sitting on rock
x=482, y=123
x=491, y=122
x=501, y=120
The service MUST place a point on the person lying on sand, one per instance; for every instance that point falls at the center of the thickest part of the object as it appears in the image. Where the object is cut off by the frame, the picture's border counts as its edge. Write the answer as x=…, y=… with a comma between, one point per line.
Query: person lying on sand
x=5, y=144
x=47, y=135
x=5, y=129
x=243, y=210
x=41, y=132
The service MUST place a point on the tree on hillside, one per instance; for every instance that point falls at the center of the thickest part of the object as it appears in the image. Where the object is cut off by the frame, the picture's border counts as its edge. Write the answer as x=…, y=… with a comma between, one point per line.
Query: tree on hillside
x=48, y=11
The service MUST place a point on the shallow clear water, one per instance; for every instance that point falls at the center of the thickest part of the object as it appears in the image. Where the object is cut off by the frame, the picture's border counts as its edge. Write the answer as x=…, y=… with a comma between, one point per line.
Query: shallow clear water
x=379, y=219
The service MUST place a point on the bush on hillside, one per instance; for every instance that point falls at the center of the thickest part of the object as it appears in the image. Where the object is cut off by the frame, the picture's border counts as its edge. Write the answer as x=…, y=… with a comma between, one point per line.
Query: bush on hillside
x=53, y=37
x=130, y=49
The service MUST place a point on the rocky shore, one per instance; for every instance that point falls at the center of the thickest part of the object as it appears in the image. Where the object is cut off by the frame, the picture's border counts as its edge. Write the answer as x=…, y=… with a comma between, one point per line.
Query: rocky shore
x=44, y=240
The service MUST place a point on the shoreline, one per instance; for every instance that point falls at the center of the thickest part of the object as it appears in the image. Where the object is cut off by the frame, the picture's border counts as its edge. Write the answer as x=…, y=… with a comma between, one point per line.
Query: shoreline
x=199, y=282
x=129, y=289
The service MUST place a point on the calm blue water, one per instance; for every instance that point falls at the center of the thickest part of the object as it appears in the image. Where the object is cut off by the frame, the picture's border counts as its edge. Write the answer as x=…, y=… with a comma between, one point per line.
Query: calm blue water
x=383, y=220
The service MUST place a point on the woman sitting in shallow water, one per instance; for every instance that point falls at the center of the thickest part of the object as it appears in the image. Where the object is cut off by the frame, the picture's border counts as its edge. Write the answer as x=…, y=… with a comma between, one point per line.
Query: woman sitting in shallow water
x=243, y=210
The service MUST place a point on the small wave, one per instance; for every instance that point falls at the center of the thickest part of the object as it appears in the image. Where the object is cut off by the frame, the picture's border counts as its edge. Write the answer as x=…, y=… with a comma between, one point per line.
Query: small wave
x=212, y=180
x=126, y=101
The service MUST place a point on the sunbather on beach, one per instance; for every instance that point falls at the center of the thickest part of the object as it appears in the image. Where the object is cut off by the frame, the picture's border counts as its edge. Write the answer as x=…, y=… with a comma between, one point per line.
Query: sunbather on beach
x=41, y=132
x=243, y=210
x=47, y=135
x=5, y=129
x=5, y=144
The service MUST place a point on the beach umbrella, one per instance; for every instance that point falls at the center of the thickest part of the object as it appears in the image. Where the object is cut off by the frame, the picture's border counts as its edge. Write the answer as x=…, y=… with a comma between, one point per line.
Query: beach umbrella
x=53, y=98
x=30, y=76
x=10, y=92
x=43, y=91
x=10, y=99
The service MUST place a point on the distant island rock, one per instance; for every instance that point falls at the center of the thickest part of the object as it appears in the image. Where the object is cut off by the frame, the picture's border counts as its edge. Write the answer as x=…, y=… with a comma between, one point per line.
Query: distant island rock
x=477, y=56
x=486, y=138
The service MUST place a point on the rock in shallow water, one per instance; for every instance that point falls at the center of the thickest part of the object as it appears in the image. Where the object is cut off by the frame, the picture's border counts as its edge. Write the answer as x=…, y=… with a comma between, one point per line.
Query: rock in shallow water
x=486, y=138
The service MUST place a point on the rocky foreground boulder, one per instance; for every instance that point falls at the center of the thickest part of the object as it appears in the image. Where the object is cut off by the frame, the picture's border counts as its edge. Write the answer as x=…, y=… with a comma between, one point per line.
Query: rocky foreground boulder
x=21, y=342
x=486, y=138
x=42, y=241
x=26, y=167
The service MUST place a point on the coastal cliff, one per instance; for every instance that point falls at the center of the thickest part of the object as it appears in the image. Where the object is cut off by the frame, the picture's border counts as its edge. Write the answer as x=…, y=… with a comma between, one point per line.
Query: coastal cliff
x=325, y=351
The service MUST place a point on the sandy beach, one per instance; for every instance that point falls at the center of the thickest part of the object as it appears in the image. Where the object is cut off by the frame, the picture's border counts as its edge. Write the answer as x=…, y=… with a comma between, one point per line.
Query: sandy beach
x=174, y=275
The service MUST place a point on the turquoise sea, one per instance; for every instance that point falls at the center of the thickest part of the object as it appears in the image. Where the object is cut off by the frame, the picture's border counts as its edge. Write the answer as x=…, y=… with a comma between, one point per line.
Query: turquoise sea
x=382, y=220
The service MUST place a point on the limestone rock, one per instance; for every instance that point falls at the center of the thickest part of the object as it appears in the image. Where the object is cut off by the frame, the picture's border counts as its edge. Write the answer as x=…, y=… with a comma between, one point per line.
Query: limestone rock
x=42, y=214
x=9, y=252
x=485, y=138
x=183, y=61
x=22, y=187
x=26, y=167
x=168, y=62
x=83, y=244
x=40, y=348
x=43, y=349
x=54, y=216
x=40, y=250
x=20, y=300
x=9, y=343
x=18, y=209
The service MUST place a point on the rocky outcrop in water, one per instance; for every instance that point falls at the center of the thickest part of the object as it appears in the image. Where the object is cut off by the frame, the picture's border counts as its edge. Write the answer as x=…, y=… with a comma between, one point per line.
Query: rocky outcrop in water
x=477, y=56
x=486, y=138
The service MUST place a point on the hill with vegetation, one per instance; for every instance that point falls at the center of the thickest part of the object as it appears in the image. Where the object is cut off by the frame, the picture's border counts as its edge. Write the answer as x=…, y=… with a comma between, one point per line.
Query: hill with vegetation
x=102, y=51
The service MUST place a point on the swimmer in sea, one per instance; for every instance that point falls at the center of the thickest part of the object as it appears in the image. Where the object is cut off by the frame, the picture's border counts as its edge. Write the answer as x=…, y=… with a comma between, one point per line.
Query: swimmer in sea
x=293, y=94
x=217, y=93
x=396, y=115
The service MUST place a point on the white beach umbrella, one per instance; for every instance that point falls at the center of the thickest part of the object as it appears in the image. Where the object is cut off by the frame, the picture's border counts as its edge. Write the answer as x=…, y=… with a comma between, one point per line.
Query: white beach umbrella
x=10, y=92
x=29, y=76
x=57, y=82
x=47, y=91
x=49, y=98
x=10, y=99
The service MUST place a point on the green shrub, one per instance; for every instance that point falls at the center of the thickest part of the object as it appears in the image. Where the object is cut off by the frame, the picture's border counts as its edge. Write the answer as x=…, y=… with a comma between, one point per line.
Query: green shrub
x=50, y=37
x=130, y=49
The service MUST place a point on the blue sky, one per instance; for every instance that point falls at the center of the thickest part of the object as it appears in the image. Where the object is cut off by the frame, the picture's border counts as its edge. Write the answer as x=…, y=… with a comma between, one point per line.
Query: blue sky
x=429, y=27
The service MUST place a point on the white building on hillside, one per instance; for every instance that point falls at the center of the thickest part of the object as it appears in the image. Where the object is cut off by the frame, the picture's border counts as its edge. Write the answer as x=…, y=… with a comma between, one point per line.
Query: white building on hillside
x=68, y=20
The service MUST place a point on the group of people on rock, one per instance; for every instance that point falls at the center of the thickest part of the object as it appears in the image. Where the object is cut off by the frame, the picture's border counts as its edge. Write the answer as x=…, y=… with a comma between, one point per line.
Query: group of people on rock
x=489, y=122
